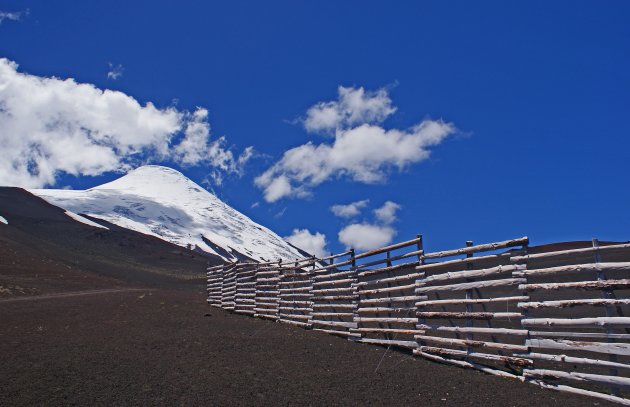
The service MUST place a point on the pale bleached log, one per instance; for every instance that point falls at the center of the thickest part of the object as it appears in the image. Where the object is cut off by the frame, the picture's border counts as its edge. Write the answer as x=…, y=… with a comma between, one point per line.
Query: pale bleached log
x=295, y=289
x=512, y=360
x=582, y=392
x=573, y=360
x=388, y=269
x=332, y=314
x=266, y=316
x=384, y=319
x=471, y=285
x=583, y=285
x=547, y=374
x=269, y=280
x=467, y=364
x=297, y=309
x=471, y=301
x=343, y=306
x=458, y=275
x=335, y=282
x=470, y=315
x=389, y=330
x=388, y=280
x=334, y=276
x=573, y=303
x=294, y=294
x=391, y=300
x=265, y=309
x=386, y=309
x=340, y=333
x=308, y=303
x=470, y=343
x=262, y=274
x=576, y=268
x=332, y=290
x=595, y=322
x=296, y=323
x=477, y=330
x=572, y=252
x=387, y=248
x=492, y=258
x=334, y=297
x=267, y=299
x=403, y=344
x=273, y=305
x=479, y=248
x=387, y=289
x=593, y=335
x=563, y=344
x=294, y=316
x=245, y=305
x=335, y=323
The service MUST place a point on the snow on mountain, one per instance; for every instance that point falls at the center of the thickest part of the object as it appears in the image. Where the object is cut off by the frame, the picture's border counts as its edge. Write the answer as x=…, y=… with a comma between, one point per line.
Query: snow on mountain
x=164, y=203
x=3, y=220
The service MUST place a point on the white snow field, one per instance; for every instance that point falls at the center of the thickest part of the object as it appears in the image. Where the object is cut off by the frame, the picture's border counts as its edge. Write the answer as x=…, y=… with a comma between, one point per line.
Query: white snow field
x=3, y=220
x=164, y=203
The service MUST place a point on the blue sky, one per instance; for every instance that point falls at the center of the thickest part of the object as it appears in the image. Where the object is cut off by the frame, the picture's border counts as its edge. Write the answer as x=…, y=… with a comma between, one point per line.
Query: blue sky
x=539, y=94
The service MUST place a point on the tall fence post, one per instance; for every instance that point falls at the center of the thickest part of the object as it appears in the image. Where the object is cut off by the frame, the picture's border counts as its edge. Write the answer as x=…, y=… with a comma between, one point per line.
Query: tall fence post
x=607, y=294
x=469, y=297
x=355, y=292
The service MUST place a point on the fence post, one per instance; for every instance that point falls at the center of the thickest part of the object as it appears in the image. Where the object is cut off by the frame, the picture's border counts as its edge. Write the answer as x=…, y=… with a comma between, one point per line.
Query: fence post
x=469, y=296
x=355, y=293
x=610, y=312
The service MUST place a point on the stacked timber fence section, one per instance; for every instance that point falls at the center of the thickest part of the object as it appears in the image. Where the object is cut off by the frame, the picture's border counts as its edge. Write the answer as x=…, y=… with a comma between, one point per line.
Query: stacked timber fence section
x=295, y=293
x=554, y=316
x=245, y=297
x=267, y=291
x=215, y=284
x=578, y=331
x=470, y=314
x=386, y=313
x=334, y=295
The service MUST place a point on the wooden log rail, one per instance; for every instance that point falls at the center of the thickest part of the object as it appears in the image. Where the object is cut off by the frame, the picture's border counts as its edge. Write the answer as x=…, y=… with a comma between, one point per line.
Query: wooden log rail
x=492, y=307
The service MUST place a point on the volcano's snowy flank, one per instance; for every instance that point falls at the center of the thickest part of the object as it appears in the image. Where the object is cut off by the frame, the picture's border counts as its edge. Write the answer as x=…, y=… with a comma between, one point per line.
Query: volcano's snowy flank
x=162, y=202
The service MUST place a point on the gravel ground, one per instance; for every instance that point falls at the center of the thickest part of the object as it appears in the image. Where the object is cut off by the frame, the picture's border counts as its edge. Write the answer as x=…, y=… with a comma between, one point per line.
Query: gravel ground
x=167, y=347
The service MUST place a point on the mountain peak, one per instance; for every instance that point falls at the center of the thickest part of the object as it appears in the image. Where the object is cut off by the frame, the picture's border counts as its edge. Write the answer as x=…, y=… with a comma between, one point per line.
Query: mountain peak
x=164, y=203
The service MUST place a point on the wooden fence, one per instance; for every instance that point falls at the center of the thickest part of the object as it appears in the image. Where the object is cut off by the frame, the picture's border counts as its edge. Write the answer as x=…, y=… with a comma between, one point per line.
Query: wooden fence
x=552, y=317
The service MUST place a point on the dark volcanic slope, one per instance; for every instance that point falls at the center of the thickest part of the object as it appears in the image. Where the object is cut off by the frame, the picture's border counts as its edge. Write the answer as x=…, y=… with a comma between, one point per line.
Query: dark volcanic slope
x=159, y=348
x=43, y=250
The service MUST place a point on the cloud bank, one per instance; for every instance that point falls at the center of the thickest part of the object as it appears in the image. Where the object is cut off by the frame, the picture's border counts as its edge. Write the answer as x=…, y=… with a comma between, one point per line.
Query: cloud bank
x=50, y=126
x=368, y=236
x=350, y=210
x=311, y=243
x=12, y=16
x=362, y=150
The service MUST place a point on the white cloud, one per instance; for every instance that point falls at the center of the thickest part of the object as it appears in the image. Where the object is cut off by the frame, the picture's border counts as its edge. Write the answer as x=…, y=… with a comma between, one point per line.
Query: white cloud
x=365, y=236
x=350, y=210
x=50, y=126
x=365, y=153
x=353, y=106
x=311, y=243
x=115, y=71
x=387, y=213
x=13, y=16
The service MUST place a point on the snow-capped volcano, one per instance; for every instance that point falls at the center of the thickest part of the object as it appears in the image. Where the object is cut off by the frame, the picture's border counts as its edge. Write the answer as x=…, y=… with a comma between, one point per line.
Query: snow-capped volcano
x=162, y=202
